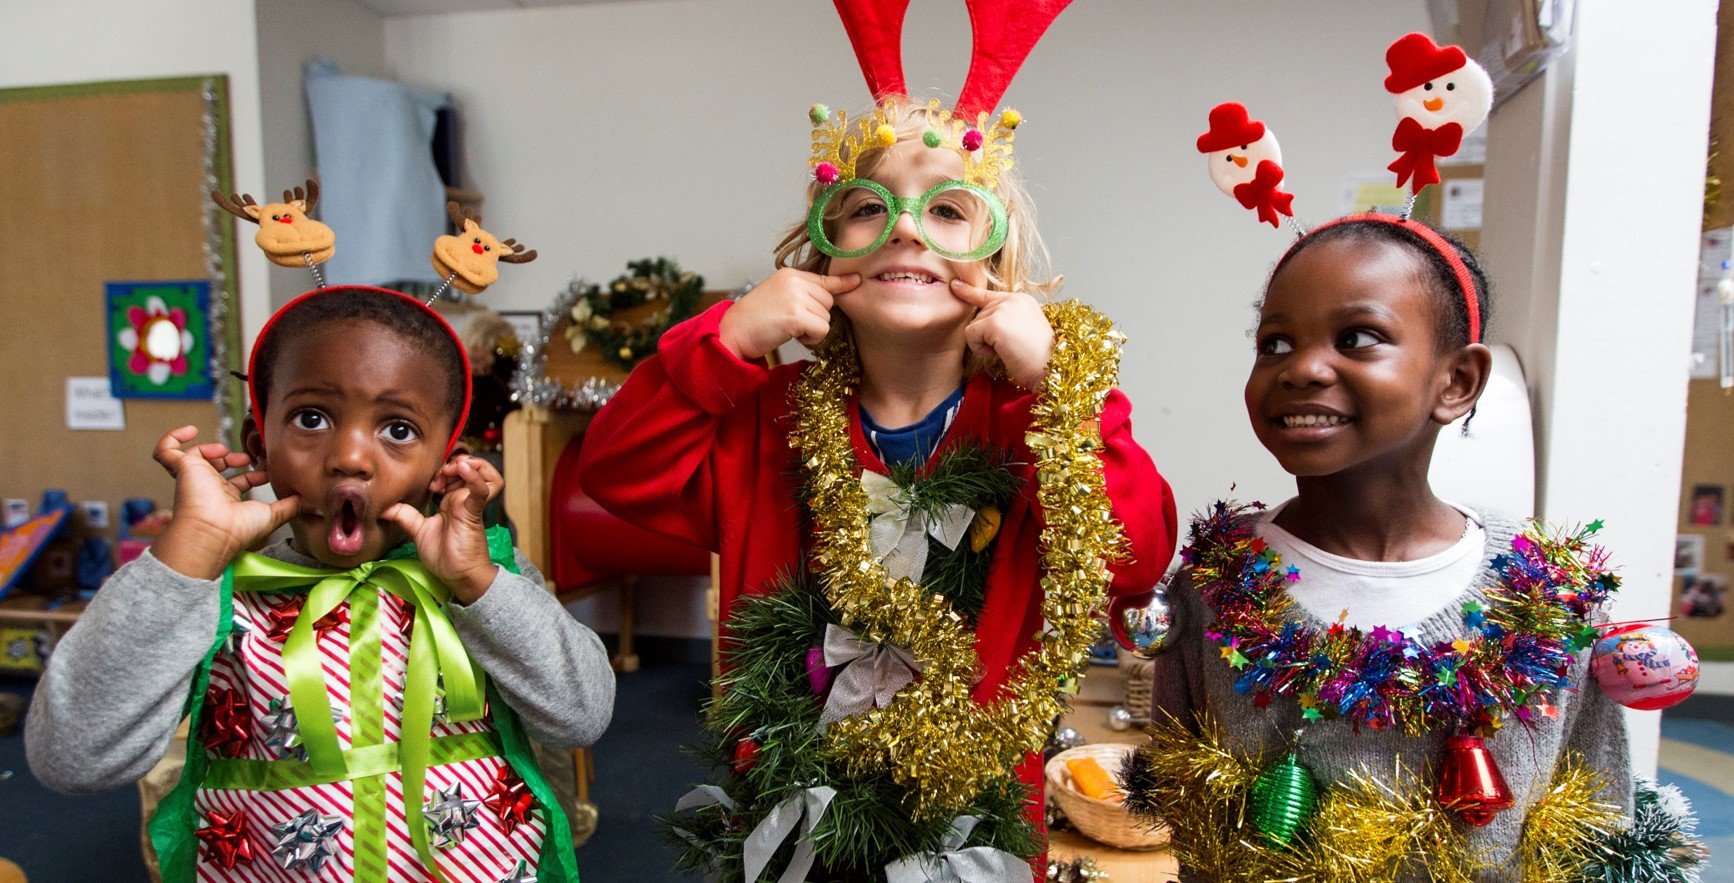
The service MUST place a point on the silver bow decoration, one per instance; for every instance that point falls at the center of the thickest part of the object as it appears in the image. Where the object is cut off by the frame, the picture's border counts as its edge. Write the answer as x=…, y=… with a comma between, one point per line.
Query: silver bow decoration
x=804, y=808
x=872, y=676
x=899, y=531
x=952, y=864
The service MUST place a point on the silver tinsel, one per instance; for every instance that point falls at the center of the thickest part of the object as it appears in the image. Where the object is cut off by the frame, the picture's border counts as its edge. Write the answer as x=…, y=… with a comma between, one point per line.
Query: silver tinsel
x=531, y=384
x=218, y=333
x=1079, y=870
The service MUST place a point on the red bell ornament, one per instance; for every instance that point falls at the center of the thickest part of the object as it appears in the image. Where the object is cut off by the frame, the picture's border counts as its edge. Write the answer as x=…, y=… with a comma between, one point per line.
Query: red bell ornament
x=1469, y=781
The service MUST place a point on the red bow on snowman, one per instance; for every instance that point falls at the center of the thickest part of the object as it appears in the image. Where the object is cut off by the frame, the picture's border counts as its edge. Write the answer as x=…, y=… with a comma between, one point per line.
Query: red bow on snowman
x=1441, y=96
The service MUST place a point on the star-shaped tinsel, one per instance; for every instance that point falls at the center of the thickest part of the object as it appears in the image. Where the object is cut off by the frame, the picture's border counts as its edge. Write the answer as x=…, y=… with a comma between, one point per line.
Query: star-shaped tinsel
x=520, y=874
x=306, y=841
x=510, y=800
x=1474, y=614
x=452, y=816
x=282, y=618
x=226, y=723
x=225, y=839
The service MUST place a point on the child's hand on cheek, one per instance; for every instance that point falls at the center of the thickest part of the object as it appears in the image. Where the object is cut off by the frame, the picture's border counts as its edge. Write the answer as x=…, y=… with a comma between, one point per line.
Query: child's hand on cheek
x=453, y=543
x=789, y=305
x=212, y=522
x=1009, y=325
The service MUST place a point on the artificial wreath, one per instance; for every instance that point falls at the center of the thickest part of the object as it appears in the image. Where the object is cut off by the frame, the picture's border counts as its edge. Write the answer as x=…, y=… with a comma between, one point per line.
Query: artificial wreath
x=647, y=281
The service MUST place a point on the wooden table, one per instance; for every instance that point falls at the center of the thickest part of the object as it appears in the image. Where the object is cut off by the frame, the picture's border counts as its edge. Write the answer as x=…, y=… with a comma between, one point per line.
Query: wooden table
x=1101, y=689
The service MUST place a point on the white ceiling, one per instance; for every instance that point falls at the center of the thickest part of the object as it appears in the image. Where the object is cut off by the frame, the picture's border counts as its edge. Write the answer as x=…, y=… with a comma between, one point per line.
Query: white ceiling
x=394, y=8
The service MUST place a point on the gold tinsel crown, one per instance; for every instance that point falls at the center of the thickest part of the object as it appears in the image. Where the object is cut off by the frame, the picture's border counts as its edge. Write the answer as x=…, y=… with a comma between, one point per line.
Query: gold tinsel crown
x=985, y=143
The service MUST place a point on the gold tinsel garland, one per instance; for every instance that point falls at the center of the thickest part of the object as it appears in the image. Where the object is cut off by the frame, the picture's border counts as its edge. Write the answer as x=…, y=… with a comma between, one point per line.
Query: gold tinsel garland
x=1368, y=828
x=934, y=738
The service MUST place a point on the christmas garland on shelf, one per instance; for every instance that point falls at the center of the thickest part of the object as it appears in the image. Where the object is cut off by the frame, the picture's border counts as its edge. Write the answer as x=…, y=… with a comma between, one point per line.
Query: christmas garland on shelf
x=934, y=738
x=651, y=280
x=1519, y=644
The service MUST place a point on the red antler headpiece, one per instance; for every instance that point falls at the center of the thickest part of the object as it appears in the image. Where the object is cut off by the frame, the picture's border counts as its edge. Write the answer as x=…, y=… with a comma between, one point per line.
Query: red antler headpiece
x=876, y=31
x=1004, y=33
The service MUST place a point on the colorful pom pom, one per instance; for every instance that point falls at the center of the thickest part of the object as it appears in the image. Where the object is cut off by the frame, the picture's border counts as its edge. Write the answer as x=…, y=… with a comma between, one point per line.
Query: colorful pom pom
x=826, y=173
x=885, y=135
x=1010, y=118
x=972, y=140
x=818, y=113
x=931, y=138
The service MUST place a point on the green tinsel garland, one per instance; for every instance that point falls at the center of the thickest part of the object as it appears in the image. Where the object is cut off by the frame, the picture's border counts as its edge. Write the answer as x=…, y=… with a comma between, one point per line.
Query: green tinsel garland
x=1660, y=847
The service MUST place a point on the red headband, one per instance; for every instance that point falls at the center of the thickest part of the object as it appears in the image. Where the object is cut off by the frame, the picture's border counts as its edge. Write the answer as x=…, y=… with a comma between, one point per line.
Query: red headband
x=259, y=344
x=1465, y=280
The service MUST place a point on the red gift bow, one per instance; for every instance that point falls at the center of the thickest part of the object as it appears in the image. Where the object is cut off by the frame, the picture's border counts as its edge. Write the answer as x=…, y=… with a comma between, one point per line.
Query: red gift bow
x=1419, y=145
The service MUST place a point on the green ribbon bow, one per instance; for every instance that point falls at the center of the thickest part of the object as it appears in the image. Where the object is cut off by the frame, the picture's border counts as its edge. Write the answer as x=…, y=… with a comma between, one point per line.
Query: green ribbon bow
x=436, y=655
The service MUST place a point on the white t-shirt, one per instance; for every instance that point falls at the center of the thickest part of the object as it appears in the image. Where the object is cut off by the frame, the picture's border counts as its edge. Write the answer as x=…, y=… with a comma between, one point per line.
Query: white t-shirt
x=1393, y=594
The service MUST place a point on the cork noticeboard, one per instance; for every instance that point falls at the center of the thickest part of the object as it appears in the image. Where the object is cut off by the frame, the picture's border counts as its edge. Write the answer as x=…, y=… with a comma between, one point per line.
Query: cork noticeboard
x=107, y=182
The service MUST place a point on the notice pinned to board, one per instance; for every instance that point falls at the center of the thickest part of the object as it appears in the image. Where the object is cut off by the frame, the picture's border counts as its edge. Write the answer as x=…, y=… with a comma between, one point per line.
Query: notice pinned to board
x=1461, y=209
x=91, y=405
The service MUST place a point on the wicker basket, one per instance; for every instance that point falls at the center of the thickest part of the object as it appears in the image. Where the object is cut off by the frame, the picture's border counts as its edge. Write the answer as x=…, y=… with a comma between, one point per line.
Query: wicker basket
x=1104, y=821
x=1140, y=675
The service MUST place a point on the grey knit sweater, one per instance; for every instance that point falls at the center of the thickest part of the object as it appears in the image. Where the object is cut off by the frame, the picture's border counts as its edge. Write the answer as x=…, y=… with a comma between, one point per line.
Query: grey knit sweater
x=116, y=686
x=1192, y=676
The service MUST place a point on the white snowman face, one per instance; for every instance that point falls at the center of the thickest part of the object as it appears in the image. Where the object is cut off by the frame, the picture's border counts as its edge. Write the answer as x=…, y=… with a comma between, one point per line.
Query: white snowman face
x=1464, y=97
x=1237, y=164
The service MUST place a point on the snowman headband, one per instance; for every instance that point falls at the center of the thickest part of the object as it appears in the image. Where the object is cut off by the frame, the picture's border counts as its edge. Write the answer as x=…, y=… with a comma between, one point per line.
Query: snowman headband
x=1441, y=95
x=1003, y=33
x=468, y=261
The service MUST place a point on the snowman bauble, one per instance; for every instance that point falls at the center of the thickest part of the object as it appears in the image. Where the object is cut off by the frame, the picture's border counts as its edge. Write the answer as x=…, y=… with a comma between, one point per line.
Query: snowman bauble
x=1441, y=96
x=1245, y=161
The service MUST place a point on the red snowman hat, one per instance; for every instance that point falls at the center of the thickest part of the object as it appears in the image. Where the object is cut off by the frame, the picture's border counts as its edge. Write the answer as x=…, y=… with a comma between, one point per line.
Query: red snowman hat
x=1229, y=127
x=1415, y=59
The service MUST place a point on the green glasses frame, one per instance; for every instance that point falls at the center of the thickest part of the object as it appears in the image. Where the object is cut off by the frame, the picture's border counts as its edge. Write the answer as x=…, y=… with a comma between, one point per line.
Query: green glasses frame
x=915, y=206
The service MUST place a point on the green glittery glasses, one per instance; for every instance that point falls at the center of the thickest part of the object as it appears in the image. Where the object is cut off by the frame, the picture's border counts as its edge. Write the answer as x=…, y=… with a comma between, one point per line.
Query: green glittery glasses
x=958, y=220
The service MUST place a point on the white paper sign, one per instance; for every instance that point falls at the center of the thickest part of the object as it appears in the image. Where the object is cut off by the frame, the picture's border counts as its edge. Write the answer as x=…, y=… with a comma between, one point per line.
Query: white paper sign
x=89, y=405
x=1462, y=207
x=95, y=513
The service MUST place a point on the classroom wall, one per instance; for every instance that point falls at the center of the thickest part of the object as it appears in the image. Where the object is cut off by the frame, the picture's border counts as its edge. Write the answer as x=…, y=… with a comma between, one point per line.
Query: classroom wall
x=289, y=35
x=690, y=139
x=76, y=41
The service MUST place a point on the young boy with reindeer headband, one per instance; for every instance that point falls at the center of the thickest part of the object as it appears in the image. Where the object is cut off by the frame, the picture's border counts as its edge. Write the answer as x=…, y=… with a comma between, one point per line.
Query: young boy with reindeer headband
x=360, y=695
x=1368, y=683
x=969, y=493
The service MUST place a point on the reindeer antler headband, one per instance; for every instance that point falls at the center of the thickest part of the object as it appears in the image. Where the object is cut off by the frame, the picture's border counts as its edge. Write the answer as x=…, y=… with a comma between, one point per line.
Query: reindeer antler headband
x=1441, y=95
x=1003, y=34
x=468, y=261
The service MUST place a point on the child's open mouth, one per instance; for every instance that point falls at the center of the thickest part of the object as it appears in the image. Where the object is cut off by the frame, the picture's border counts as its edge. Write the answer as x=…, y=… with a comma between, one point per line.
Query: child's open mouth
x=344, y=518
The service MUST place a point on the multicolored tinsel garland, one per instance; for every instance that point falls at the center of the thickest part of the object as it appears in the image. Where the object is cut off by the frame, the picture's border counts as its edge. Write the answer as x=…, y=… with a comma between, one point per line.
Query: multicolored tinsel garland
x=934, y=738
x=1520, y=647
x=1368, y=828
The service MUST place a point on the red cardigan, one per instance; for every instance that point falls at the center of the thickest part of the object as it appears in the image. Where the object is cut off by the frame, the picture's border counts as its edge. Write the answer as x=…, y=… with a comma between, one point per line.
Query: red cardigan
x=695, y=446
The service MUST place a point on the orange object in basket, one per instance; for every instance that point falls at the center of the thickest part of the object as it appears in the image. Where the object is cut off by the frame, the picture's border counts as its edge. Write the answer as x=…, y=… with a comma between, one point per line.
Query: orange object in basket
x=1091, y=780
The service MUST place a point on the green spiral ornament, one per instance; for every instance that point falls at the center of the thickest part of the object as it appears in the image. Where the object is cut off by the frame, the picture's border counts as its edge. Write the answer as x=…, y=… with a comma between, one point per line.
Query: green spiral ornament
x=1283, y=798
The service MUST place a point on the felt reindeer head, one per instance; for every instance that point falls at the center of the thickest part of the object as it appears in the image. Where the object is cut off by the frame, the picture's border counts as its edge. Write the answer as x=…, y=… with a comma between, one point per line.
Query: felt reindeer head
x=470, y=260
x=287, y=236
